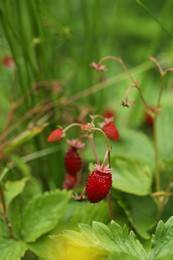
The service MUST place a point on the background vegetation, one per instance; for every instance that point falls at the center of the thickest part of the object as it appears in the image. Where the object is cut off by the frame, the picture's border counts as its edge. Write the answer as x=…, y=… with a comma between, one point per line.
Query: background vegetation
x=52, y=44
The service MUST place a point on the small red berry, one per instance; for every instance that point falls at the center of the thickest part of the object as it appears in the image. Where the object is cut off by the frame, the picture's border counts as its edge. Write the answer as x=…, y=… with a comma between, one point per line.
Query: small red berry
x=111, y=131
x=72, y=161
x=109, y=114
x=69, y=181
x=98, y=184
x=55, y=135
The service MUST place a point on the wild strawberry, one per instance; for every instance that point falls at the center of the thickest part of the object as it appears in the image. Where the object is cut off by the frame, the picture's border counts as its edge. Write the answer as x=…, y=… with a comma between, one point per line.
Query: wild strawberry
x=111, y=131
x=109, y=114
x=72, y=161
x=69, y=181
x=99, y=183
x=55, y=135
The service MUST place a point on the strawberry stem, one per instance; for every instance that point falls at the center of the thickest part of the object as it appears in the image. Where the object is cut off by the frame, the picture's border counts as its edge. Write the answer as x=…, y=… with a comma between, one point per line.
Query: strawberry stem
x=121, y=62
x=4, y=213
x=71, y=125
x=157, y=176
x=91, y=139
x=107, y=155
x=135, y=82
x=106, y=138
x=110, y=206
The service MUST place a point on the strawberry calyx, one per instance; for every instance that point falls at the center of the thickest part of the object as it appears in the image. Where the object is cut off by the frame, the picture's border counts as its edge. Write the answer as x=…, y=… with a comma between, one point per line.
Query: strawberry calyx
x=106, y=121
x=75, y=143
x=102, y=168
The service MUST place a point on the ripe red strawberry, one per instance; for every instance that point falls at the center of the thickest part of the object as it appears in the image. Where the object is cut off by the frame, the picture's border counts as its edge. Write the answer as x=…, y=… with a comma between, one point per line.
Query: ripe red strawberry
x=98, y=184
x=55, y=135
x=69, y=181
x=111, y=131
x=72, y=161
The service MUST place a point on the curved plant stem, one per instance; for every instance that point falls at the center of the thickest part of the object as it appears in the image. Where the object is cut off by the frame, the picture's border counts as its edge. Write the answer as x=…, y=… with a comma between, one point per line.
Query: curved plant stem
x=121, y=62
x=91, y=139
x=110, y=206
x=142, y=98
x=157, y=176
x=106, y=139
x=107, y=155
x=4, y=213
x=69, y=126
x=166, y=196
x=160, y=91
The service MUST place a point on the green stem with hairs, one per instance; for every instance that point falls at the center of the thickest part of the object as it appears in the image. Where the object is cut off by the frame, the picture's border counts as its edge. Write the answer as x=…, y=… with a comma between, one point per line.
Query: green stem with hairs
x=156, y=157
x=91, y=139
x=4, y=213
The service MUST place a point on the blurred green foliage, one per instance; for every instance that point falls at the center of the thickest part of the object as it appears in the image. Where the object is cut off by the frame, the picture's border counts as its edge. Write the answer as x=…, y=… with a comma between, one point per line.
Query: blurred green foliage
x=53, y=43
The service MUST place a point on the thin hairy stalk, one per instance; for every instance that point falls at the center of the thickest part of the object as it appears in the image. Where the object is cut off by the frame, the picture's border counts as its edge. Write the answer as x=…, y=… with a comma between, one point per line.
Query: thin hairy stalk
x=142, y=98
x=69, y=126
x=157, y=175
x=166, y=195
x=160, y=91
x=110, y=82
x=110, y=206
x=128, y=103
x=106, y=139
x=4, y=213
x=120, y=61
x=91, y=139
x=107, y=155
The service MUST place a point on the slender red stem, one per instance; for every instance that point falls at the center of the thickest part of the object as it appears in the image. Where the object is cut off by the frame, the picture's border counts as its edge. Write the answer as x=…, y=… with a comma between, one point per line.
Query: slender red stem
x=4, y=213
x=110, y=206
x=93, y=148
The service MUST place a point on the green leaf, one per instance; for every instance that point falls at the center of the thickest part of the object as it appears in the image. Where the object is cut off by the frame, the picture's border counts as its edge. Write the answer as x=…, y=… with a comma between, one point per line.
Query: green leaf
x=3, y=173
x=3, y=228
x=134, y=145
x=111, y=240
x=142, y=218
x=21, y=165
x=162, y=241
x=16, y=208
x=11, y=249
x=126, y=242
x=165, y=134
x=116, y=256
x=129, y=175
x=98, y=241
x=42, y=213
x=84, y=212
x=76, y=212
x=13, y=189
